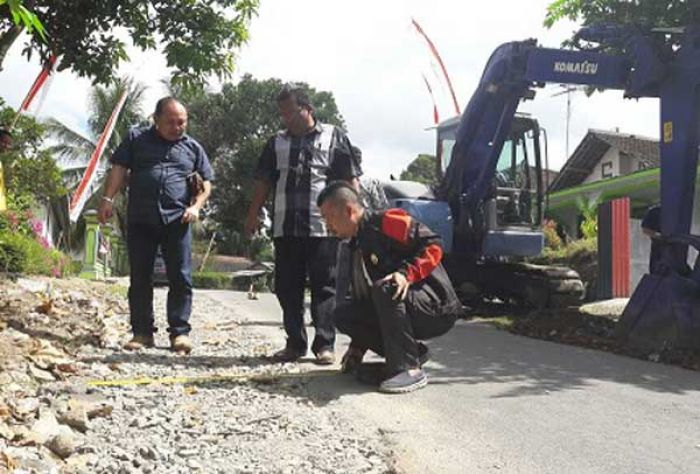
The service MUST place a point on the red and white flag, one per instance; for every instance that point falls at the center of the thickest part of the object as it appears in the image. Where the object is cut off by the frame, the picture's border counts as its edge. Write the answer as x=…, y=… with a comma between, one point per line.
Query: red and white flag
x=82, y=193
x=42, y=81
x=435, y=75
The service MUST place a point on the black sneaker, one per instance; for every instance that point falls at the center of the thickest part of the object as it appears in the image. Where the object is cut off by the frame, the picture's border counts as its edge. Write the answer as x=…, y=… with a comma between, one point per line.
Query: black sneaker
x=404, y=382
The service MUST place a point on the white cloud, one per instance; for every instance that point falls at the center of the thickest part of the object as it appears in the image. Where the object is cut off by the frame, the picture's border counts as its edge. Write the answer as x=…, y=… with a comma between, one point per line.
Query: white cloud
x=366, y=54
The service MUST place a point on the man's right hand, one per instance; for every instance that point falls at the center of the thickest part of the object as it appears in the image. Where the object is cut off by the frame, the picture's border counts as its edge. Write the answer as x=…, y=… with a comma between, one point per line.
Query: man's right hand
x=251, y=226
x=104, y=213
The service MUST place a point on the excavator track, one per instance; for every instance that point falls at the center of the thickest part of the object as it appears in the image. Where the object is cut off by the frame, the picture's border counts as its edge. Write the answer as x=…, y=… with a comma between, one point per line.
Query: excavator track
x=535, y=286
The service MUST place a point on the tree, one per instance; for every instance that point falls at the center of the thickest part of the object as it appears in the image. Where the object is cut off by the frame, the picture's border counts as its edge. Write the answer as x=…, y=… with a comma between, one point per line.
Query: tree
x=645, y=13
x=73, y=148
x=31, y=175
x=422, y=169
x=198, y=37
x=233, y=126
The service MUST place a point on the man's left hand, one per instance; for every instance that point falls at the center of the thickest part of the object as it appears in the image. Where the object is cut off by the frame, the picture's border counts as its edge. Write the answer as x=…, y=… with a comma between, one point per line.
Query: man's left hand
x=191, y=214
x=401, y=283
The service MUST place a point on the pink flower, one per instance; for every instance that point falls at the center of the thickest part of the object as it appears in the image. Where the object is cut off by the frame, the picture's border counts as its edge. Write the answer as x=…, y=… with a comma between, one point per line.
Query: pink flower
x=37, y=226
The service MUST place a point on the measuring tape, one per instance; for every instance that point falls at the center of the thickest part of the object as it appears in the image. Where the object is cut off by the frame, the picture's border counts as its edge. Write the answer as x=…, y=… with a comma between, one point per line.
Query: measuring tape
x=195, y=379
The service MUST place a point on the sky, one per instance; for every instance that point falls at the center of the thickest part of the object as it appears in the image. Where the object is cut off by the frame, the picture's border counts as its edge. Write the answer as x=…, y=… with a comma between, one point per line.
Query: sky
x=366, y=53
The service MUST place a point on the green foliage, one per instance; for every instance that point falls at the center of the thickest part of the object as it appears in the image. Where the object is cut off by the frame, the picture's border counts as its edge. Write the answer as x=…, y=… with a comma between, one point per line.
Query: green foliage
x=571, y=254
x=198, y=37
x=233, y=126
x=588, y=209
x=422, y=169
x=211, y=280
x=645, y=13
x=20, y=253
x=22, y=16
x=38, y=177
x=31, y=174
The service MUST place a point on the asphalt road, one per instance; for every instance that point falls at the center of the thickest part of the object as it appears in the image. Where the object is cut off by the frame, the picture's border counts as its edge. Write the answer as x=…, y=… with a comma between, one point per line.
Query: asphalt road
x=503, y=403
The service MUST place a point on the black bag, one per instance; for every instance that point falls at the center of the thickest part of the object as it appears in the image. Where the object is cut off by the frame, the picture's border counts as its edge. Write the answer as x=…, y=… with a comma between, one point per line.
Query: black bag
x=196, y=184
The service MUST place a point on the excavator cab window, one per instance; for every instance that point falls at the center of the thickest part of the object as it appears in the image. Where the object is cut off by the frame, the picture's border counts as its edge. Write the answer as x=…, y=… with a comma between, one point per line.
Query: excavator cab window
x=515, y=183
x=517, y=196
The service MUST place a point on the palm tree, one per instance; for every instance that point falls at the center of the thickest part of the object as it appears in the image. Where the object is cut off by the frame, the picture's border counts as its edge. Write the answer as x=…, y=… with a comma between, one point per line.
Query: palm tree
x=73, y=149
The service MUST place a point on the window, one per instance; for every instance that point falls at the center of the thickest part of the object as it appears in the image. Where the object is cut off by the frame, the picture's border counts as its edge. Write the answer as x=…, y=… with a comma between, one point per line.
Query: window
x=606, y=170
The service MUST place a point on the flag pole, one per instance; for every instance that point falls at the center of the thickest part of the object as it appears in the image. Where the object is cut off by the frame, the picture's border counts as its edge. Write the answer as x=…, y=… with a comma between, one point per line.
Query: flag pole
x=81, y=193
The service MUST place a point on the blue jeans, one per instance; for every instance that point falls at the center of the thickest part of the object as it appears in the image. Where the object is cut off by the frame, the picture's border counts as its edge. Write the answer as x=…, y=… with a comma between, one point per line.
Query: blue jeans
x=175, y=240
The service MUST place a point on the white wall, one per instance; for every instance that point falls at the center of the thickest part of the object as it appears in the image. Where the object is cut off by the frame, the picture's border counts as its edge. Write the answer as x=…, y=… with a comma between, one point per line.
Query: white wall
x=612, y=156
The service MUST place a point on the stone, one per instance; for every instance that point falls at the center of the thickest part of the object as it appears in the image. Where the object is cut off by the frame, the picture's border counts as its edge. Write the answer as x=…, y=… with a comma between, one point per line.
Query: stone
x=6, y=432
x=46, y=427
x=62, y=445
x=148, y=453
x=76, y=417
x=25, y=407
x=40, y=374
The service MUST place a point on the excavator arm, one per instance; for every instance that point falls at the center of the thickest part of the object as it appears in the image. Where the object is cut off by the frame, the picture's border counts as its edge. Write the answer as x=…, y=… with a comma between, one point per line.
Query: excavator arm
x=665, y=64
x=511, y=73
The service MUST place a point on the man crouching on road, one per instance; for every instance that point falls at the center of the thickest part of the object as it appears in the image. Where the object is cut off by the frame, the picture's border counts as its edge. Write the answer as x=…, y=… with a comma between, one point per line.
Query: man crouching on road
x=400, y=290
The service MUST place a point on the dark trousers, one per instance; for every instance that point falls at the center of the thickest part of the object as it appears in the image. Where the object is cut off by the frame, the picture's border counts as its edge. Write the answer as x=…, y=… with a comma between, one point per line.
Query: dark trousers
x=295, y=258
x=175, y=241
x=389, y=327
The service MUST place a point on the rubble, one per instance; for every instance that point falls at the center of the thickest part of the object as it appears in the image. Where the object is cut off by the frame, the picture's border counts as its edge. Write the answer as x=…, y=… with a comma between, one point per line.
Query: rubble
x=56, y=336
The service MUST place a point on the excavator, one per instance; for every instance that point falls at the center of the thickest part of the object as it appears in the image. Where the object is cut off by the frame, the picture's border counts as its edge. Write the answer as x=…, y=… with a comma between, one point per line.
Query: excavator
x=488, y=214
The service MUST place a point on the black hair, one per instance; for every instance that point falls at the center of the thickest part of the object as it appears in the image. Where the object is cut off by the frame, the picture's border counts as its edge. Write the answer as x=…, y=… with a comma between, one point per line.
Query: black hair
x=5, y=133
x=294, y=91
x=339, y=191
x=162, y=103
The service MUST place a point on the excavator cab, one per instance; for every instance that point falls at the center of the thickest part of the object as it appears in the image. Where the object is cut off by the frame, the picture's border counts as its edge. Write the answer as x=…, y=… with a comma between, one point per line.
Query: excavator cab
x=512, y=213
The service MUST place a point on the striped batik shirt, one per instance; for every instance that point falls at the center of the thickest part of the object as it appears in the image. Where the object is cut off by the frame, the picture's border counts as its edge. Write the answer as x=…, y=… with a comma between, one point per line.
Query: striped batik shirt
x=298, y=168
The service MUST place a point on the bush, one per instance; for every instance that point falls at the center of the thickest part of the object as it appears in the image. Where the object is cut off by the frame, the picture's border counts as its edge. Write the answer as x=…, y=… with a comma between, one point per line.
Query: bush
x=20, y=253
x=212, y=280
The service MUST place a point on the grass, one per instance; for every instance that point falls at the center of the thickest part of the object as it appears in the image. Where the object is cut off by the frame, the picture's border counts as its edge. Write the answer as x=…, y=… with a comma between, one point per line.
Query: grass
x=504, y=323
x=118, y=290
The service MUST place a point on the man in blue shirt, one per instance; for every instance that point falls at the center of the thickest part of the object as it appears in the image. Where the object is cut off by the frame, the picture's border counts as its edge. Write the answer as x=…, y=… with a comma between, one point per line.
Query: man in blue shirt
x=157, y=162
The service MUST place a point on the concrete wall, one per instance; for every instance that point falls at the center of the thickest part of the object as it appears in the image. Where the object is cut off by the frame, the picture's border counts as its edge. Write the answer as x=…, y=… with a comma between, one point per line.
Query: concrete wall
x=641, y=246
x=639, y=252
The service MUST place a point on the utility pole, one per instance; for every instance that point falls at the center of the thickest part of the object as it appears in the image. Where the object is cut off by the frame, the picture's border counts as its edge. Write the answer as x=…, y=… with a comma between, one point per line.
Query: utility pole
x=568, y=89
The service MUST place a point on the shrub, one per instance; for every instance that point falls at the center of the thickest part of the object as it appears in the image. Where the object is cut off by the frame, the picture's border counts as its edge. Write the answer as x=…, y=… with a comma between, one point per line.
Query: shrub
x=211, y=280
x=21, y=253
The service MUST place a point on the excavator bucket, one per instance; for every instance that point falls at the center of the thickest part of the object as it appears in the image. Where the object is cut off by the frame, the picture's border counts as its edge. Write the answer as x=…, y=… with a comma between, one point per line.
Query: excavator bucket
x=664, y=312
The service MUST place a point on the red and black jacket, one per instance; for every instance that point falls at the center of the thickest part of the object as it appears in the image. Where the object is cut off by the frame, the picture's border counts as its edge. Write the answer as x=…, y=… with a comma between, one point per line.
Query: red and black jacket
x=393, y=241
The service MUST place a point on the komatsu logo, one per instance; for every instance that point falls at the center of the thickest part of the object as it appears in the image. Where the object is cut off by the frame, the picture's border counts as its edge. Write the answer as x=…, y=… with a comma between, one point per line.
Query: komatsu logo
x=576, y=68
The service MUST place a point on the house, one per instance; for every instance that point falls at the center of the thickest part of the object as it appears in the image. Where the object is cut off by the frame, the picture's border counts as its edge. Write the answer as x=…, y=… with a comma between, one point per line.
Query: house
x=604, y=166
x=610, y=165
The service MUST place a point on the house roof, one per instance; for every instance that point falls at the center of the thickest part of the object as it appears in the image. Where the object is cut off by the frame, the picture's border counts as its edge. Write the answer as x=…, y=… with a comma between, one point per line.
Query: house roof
x=592, y=148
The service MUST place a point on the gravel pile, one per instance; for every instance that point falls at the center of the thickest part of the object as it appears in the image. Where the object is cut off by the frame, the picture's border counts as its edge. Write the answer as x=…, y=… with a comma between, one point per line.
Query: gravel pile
x=224, y=409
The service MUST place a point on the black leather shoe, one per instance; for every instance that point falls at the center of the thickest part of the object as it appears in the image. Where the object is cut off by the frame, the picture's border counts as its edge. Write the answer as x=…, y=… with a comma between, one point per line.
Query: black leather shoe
x=288, y=354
